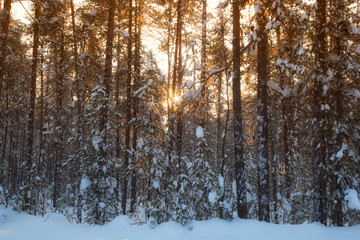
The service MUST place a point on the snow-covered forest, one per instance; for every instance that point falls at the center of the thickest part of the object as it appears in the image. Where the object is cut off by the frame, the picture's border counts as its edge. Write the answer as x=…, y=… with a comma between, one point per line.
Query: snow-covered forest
x=178, y=111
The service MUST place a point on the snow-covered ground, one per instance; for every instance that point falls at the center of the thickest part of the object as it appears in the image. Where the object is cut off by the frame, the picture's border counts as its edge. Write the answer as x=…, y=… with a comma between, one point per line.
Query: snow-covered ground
x=20, y=226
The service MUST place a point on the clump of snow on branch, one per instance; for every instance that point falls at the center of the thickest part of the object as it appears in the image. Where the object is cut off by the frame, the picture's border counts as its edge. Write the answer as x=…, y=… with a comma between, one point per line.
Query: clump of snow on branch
x=84, y=184
x=199, y=132
x=352, y=199
x=122, y=32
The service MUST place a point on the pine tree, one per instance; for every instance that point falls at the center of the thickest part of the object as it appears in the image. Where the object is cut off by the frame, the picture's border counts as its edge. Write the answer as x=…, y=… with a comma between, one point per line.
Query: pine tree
x=98, y=184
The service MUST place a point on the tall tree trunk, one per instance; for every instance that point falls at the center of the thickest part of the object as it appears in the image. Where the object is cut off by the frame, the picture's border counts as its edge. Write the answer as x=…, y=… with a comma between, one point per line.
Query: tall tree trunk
x=240, y=176
x=203, y=56
x=109, y=51
x=4, y=140
x=170, y=150
x=128, y=112
x=59, y=148
x=135, y=104
x=176, y=84
x=282, y=164
x=320, y=211
x=118, y=126
x=31, y=116
x=107, y=75
x=78, y=82
x=41, y=125
x=338, y=185
x=262, y=132
x=5, y=21
x=220, y=158
x=79, y=110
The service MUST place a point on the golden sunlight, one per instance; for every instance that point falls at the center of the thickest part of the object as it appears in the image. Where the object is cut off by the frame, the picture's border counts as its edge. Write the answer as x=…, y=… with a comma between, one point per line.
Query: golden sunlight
x=176, y=99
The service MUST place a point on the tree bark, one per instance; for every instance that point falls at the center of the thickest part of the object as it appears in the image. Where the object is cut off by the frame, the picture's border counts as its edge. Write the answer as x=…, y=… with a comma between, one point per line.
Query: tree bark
x=338, y=184
x=320, y=211
x=262, y=119
x=5, y=21
x=31, y=116
x=135, y=106
x=128, y=112
x=240, y=174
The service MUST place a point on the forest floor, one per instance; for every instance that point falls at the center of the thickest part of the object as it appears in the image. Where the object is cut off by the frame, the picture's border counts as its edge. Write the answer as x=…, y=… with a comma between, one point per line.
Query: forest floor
x=20, y=226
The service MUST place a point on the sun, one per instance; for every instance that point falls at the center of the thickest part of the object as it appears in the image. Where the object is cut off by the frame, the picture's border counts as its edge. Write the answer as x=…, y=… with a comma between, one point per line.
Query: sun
x=177, y=99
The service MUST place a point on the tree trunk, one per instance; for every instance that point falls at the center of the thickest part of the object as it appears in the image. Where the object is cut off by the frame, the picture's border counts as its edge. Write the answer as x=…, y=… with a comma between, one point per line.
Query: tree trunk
x=135, y=105
x=320, y=211
x=128, y=113
x=118, y=126
x=31, y=116
x=59, y=147
x=5, y=21
x=203, y=57
x=176, y=84
x=262, y=132
x=78, y=82
x=240, y=176
x=338, y=185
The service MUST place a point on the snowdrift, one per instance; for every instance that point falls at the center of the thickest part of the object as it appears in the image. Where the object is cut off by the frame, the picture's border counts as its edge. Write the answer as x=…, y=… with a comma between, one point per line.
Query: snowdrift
x=20, y=226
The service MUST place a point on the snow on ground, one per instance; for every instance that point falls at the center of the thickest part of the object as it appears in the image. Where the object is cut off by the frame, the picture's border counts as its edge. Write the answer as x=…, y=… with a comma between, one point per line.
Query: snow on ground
x=20, y=226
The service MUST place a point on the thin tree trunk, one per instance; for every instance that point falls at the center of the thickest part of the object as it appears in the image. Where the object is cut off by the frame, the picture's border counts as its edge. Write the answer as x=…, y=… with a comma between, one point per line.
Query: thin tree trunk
x=107, y=77
x=5, y=15
x=31, y=116
x=262, y=134
x=221, y=137
x=59, y=125
x=128, y=113
x=78, y=83
x=135, y=106
x=117, y=110
x=320, y=211
x=338, y=194
x=169, y=110
x=240, y=176
x=41, y=134
x=282, y=164
x=5, y=21
x=4, y=147
x=177, y=83
x=203, y=57
x=79, y=108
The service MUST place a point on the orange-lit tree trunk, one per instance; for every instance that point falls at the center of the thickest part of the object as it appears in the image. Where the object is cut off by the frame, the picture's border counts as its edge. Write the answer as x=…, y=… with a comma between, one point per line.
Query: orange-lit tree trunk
x=177, y=81
x=5, y=21
x=128, y=112
x=137, y=80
